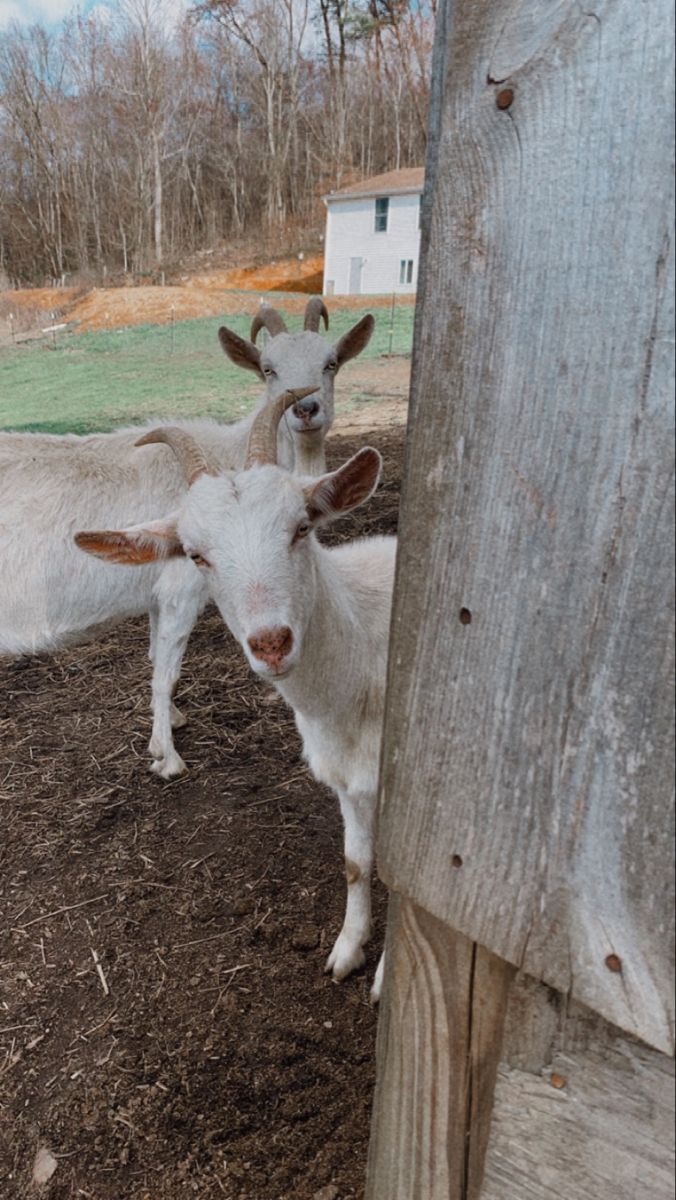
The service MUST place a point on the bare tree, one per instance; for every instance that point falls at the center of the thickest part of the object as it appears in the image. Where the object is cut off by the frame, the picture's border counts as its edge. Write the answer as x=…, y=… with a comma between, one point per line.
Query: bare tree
x=127, y=143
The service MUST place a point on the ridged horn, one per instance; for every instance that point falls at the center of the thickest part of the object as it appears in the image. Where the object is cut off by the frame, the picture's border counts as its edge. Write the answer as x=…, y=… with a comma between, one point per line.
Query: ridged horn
x=268, y=318
x=315, y=311
x=262, y=444
x=192, y=459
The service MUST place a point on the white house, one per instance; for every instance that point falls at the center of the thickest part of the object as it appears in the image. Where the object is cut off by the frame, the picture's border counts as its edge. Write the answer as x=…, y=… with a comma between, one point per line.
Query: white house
x=373, y=234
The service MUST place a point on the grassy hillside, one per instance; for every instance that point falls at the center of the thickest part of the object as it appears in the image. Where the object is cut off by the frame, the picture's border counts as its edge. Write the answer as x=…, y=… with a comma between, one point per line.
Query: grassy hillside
x=95, y=381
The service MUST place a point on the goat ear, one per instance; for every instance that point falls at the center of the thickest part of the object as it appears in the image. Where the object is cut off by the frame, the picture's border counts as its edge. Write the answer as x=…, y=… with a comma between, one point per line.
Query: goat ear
x=355, y=340
x=240, y=351
x=345, y=488
x=135, y=546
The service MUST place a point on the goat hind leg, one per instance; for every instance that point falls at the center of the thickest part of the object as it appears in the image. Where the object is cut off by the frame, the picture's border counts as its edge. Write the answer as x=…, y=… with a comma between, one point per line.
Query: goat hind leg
x=178, y=601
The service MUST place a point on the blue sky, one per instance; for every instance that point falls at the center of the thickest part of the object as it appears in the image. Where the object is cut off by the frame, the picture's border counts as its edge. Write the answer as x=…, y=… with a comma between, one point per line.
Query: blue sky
x=27, y=12
x=51, y=12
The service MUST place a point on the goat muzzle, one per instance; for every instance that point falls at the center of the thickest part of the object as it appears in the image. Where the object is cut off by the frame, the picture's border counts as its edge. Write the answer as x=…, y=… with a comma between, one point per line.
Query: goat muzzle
x=306, y=409
x=272, y=646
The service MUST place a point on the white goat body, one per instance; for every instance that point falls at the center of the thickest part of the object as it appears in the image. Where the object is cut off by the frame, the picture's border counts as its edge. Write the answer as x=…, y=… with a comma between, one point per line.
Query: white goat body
x=313, y=621
x=51, y=594
x=337, y=693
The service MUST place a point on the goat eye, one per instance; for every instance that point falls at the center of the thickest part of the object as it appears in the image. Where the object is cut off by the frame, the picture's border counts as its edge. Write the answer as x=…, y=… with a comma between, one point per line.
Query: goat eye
x=331, y=366
x=302, y=530
x=199, y=561
x=268, y=371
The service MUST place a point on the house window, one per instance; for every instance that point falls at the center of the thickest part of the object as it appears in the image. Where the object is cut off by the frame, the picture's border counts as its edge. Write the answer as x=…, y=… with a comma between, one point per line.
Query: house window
x=406, y=270
x=382, y=209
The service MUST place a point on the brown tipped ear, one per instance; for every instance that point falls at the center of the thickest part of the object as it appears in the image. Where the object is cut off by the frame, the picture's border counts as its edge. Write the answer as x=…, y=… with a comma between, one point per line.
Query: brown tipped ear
x=354, y=341
x=240, y=351
x=135, y=546
x=345, y=488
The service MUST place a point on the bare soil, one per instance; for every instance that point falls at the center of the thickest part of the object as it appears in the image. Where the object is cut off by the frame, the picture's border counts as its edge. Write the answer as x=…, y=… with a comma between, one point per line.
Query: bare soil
x=373, y=395
x=166, y=1029
x=207, y=294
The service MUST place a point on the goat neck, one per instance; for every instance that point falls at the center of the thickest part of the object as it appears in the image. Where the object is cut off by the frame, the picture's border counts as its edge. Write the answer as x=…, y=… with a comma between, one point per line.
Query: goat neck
x=332, y=648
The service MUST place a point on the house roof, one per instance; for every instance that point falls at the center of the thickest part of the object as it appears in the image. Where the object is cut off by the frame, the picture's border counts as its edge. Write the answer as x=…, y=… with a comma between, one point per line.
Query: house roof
x=392, y=183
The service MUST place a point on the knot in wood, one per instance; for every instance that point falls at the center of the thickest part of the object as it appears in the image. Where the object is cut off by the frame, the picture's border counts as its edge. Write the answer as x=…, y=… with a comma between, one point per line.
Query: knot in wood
x=614, y=963
x=505, y=98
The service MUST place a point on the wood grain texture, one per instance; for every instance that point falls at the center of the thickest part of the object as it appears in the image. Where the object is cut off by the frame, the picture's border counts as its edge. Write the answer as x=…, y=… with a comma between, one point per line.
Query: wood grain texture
x=442, y=1015
x=606, y=1130
x=535, y=743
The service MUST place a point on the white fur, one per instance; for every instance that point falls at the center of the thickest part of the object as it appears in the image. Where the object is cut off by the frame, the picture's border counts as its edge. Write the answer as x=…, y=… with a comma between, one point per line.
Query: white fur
x=52, y=595
x=336, y=602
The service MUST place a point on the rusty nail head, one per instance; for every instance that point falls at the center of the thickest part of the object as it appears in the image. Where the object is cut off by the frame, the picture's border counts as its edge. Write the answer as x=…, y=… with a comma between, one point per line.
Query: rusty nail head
x=614, y=963
x=558, y=1081
x=456, y=860
x=504, y=98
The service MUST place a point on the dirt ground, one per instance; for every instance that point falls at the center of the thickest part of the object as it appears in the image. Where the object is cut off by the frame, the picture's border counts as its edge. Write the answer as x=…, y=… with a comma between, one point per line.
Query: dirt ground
x=166, y=1029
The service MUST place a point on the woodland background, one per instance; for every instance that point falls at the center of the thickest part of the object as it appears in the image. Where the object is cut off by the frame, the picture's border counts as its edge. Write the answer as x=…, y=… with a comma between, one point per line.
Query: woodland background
x=129, y=143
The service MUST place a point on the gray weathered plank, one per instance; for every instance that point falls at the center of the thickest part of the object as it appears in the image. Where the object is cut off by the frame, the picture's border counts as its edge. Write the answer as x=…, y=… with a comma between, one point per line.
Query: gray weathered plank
x=534, y=744
x=606, y=1130
x=438, y=1048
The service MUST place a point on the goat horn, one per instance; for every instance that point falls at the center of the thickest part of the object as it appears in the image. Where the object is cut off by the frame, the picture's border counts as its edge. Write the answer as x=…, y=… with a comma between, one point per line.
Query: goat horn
x=262, y=445
x=268, y=318
x=191, y=457
x=315, y=310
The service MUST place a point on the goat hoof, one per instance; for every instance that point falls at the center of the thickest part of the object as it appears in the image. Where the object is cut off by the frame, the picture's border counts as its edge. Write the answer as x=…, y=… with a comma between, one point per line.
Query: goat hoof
x=170, y=767
x=344, y=958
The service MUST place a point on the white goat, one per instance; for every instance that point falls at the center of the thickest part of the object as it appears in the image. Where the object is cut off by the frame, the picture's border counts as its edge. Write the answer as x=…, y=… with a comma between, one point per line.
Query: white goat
x=311, y=620
x=50, y=486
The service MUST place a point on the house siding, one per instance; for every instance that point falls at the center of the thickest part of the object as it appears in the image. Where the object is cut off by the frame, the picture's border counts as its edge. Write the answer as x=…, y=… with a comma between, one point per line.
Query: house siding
x=350, y=233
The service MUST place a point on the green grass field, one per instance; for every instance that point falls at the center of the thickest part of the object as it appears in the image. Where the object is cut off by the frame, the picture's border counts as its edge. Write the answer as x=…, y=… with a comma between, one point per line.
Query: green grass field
x=95, y=381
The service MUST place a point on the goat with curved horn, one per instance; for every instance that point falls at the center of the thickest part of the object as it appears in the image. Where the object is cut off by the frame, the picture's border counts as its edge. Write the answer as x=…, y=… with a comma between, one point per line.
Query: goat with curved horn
x=262, y=445
x=315, y=311
x=192, y=459
x=268, y=318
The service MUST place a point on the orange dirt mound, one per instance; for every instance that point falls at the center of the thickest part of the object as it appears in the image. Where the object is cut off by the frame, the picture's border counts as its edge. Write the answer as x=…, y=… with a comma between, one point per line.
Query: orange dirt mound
x=112, y=308
x=283, y=275
x=206, y=295
x=43, y=299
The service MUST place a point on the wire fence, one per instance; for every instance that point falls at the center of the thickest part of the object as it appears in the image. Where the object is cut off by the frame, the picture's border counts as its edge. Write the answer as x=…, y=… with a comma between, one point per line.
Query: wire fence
x=64, y=380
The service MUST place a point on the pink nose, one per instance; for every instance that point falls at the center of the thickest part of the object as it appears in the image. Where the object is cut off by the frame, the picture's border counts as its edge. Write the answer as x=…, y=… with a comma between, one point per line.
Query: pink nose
x=271, y=646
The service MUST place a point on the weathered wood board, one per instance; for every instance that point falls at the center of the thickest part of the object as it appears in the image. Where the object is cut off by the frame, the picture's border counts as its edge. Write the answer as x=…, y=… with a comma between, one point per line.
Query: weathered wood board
x=438, y=1044
x=580, y=1109
x=526, y=790
x=589, y=1113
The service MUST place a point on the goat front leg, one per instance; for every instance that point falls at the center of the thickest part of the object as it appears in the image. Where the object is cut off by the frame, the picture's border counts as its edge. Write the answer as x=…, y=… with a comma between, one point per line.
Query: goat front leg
x=179, y=597
x=359, y=819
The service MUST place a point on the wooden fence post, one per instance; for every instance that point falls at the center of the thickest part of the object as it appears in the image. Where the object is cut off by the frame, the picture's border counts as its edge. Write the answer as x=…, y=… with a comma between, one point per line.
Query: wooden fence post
x=527, y=764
